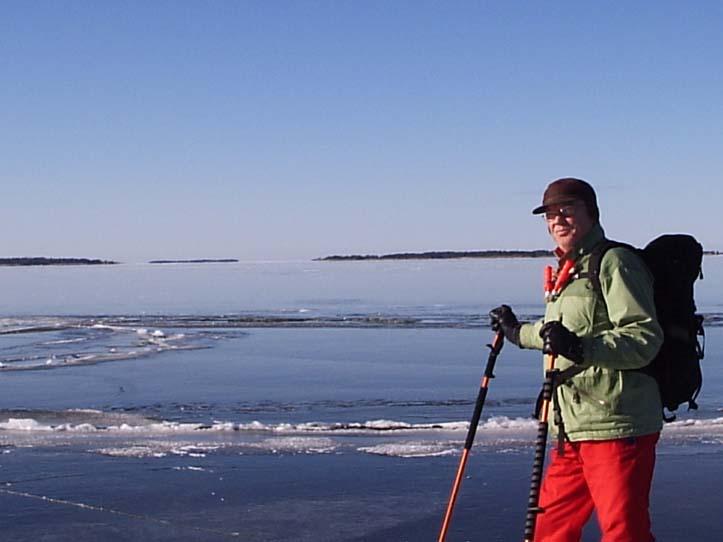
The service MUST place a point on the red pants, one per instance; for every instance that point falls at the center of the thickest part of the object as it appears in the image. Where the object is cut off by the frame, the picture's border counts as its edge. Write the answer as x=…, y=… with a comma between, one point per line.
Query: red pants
x=611, y=476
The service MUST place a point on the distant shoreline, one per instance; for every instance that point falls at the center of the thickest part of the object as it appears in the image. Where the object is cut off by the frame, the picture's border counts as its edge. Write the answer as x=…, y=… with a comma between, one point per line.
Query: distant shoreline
x=451, y=255
x=35, y=261
x=202, y=260
x=441, y=255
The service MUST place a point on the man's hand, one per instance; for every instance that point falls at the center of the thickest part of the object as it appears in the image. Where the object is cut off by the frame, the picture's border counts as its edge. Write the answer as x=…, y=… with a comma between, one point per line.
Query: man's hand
x=560, y=341
x=503, y=319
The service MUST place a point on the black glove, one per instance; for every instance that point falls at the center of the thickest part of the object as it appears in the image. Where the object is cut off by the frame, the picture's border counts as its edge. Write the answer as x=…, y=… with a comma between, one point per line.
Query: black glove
x=504, y=319
x=560, y=341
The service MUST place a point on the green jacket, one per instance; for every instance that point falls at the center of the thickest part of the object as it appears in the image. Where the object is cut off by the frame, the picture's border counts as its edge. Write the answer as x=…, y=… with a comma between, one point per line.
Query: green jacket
x=618, y=332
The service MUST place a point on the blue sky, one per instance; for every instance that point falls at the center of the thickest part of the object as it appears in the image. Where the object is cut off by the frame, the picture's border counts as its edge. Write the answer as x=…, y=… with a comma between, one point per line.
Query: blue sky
x=290, y=130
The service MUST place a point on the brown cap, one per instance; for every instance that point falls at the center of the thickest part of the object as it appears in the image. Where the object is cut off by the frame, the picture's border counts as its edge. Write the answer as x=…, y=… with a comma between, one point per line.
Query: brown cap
x=568, y=190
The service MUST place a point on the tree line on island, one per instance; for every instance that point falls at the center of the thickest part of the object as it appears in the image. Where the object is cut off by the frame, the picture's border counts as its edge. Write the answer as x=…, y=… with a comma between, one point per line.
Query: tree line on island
x=441, y=255
x=40, y=260
x=451, y=254
x=200, y=260
x=432, y=255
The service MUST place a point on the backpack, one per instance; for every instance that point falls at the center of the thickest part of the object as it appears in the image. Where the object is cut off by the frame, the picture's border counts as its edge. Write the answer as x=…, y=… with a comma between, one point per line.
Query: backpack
x=675, y=263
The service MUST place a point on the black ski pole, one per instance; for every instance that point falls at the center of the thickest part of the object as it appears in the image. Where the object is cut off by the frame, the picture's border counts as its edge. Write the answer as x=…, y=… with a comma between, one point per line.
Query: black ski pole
x=533, y=502
x=495, y=348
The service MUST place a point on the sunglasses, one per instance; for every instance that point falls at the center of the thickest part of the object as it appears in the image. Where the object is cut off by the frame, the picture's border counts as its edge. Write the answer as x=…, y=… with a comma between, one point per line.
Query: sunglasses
x=565, y=211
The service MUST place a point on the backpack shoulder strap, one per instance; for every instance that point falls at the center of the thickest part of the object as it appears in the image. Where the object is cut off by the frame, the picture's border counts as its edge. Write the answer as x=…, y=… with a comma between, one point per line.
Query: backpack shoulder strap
x=596, y=257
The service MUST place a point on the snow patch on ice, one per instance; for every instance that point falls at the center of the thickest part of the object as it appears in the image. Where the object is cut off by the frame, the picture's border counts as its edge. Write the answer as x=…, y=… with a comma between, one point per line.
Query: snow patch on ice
x=191, y=468
x=412, y=449
x=296, y=445
x=24, y=424
x=131, y=451
x=158, y=450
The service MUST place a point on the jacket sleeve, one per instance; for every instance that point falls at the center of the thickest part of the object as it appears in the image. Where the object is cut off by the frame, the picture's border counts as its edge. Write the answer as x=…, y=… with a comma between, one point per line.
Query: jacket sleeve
x=635, y=336
x=530, y=335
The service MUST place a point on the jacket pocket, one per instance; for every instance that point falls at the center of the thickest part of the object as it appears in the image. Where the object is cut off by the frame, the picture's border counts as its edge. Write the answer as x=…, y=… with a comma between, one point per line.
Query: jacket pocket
x=588, y=399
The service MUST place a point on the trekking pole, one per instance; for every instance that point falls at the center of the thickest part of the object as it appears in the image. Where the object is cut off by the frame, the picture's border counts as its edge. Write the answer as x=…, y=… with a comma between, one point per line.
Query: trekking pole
x=533, y=502
x=495, y=348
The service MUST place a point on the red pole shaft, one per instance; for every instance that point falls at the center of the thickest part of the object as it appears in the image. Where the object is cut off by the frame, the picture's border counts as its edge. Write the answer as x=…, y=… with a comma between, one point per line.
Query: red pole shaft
x=453, y=496
x=495, y=347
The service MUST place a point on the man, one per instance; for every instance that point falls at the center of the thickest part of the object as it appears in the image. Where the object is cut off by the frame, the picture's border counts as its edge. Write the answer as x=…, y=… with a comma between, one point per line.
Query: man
x=611, y=414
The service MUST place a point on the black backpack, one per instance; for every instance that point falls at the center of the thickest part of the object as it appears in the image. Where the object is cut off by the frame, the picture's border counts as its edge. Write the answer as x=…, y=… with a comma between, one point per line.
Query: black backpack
x=675, y=263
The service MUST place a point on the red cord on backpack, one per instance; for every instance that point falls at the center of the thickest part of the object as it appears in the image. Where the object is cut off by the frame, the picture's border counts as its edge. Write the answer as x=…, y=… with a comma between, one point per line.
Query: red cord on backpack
x=563, y=277
x=549, y=284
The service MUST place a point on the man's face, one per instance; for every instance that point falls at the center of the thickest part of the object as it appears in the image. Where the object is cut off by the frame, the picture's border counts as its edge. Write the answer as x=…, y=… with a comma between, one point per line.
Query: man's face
x=568, y=223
